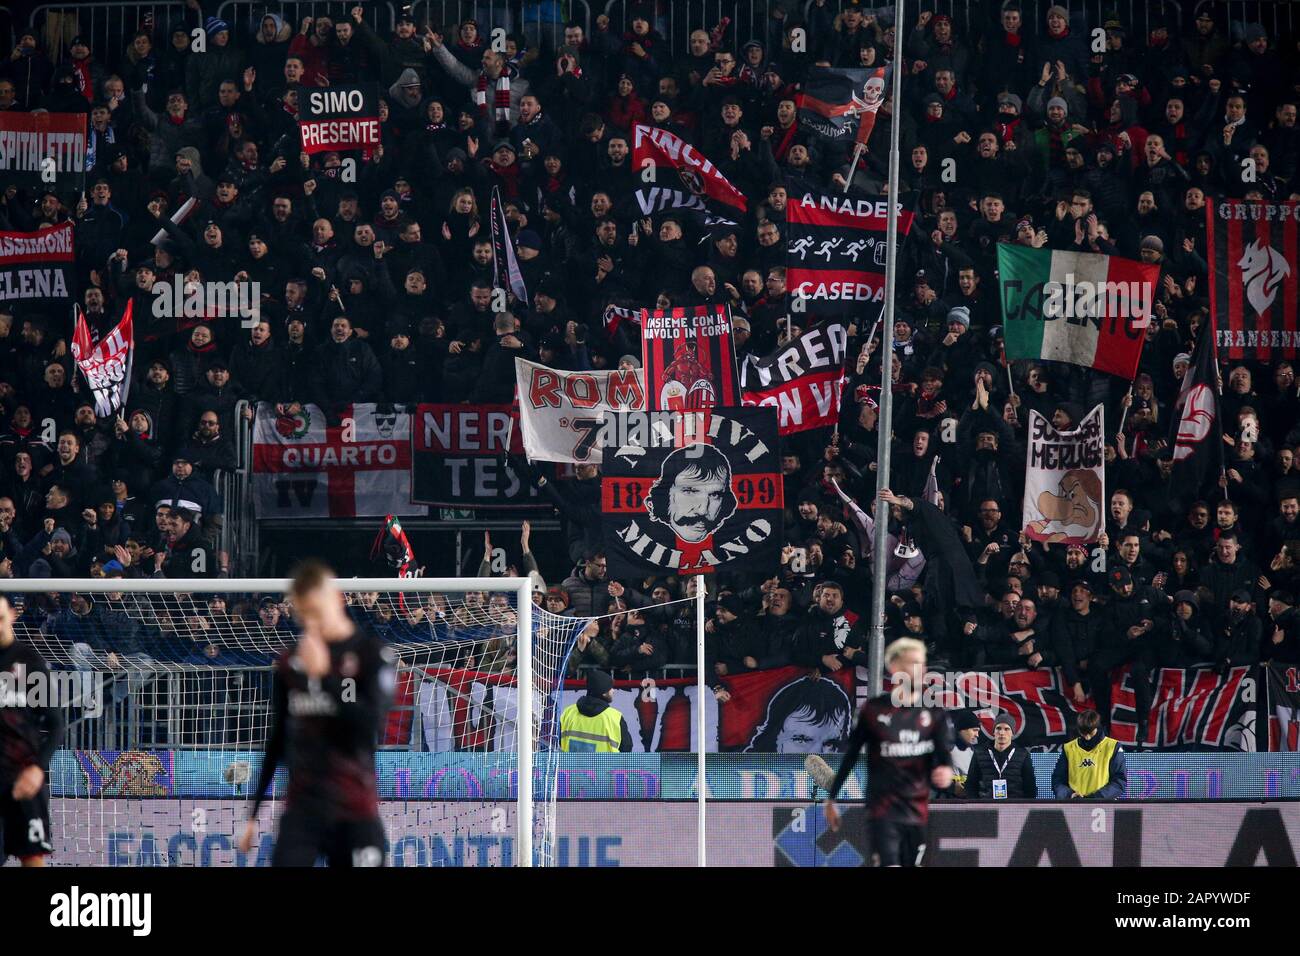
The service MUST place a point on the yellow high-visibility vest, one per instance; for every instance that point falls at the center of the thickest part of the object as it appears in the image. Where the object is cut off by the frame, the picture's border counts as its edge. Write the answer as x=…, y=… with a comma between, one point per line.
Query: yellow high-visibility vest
x=1090, y=769
x=582, y=734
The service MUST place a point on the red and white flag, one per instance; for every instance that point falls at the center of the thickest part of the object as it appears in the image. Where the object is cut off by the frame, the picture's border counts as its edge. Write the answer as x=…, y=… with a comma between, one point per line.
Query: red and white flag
x=106, y=364
x=304, y=467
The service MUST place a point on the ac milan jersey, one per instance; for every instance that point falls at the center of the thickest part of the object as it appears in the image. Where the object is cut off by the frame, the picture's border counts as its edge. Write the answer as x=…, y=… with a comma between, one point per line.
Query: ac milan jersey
x=29, y=734
x=903, y=745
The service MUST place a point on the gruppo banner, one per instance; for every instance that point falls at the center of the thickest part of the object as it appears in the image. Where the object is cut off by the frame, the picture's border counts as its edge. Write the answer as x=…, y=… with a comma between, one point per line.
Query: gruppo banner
x=560, y=412
x=43, y=150
x=691, y=492
x=689, y=358
x=458, y=457
x=305, y=468
x=1253, y=249
x=802, y=380
x=38, y=265
x=339, y=118
x=835, y=252
x=1065, y=480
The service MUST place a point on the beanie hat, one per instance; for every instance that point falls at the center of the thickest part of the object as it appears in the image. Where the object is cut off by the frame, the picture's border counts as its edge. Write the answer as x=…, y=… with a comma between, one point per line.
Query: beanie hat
x=960, y=314
x=599, y=683
x=213, y=26
x=1058, y=101
x=1004, y=718
x=964, y=719
x=1012, y=99
x=61, y=535
x=1153, y=242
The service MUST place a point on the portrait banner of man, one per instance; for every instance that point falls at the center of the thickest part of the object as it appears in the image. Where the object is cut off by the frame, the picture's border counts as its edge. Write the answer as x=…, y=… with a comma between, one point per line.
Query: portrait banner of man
x=691, y=492
x=1065, y=484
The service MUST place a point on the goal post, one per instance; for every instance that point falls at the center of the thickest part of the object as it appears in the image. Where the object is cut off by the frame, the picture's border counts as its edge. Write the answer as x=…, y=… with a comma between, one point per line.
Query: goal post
x=181, y=701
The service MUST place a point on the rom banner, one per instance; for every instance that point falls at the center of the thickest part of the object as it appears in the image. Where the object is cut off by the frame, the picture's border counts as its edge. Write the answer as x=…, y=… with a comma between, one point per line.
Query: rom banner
x=38, y=266
x=560, y=412
x=691, y=492
x=1065, y=480
x=339, y=118
x=458, y=457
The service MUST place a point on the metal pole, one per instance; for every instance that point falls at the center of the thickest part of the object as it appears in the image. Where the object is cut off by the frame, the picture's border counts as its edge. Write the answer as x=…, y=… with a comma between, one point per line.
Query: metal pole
x=701, y=688
x=524, y=684
x=885, y=420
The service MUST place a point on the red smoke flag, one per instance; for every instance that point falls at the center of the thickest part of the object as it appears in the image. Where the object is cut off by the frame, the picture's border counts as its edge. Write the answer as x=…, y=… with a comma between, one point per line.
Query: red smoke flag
x=1252, y=247
x=106, y=365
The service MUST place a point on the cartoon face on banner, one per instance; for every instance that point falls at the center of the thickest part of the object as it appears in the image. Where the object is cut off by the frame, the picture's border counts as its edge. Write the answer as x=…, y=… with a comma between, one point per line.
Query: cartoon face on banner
x=1076, y=501
x=873, y=92
x=691, y=492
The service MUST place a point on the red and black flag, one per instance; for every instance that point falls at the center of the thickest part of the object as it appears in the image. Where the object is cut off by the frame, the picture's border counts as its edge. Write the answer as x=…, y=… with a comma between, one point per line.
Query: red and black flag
x=689, y=358
x=1198, y=430
x=1252, y=247
x=803, y=379
x=835, y=252
x=691, y=492
x=834, y=100
x=677, y=163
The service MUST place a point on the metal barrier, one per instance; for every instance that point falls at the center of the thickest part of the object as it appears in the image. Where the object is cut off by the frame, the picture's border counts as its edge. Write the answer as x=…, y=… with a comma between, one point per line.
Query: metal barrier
x=109, y=26
x=245, y=16
x=537, y=20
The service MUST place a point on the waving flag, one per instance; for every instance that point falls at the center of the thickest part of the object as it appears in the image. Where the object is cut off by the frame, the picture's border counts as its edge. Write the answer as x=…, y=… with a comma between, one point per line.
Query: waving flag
x=802, y=380
x=1076, y=307
x=1198, y=430
x=505, y=267
x=106, y=364
x=661, y=150
x=841, y=103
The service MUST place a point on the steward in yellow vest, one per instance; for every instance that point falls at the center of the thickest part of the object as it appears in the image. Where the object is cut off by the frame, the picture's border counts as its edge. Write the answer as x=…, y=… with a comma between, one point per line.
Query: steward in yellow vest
x=591, y=725
x=1091, y=766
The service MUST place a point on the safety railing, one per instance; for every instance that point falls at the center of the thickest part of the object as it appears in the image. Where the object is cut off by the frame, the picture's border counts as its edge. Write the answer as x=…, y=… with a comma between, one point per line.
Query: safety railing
x=108, y=26
x=245, y=16
x=540, y=21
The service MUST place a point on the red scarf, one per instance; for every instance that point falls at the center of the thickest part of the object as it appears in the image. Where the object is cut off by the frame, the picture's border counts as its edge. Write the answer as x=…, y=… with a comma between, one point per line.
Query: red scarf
x=1011, y=39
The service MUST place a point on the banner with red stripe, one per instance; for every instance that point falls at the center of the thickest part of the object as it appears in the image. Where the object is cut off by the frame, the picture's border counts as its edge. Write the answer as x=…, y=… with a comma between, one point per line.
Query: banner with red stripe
x=1252, y=247
x=803, y=379
x=689, y=358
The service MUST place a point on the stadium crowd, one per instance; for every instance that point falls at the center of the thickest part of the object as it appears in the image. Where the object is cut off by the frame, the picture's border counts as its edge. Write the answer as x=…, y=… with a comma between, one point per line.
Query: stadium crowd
x=378, y=287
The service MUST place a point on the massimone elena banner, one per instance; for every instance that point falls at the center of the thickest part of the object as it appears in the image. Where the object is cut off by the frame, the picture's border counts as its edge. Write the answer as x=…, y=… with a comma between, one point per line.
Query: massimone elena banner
x=305, y=468
x=691, y=492
x=560, y=412
x=29, y=140
x=339, y=118
x=1065, y=480
x=803, y=379
x=1254, y=252
x=38, y=265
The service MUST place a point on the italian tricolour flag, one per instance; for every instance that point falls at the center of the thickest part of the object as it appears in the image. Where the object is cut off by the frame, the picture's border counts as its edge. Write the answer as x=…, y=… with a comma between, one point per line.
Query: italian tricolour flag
x=1082, y=308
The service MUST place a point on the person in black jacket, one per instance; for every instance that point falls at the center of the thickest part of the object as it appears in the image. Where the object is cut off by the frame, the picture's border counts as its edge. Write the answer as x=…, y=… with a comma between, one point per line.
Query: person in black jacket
x=1001, y=772
x=188, y=553
x=346, y=370
x=1239, y=633
x=827, y=639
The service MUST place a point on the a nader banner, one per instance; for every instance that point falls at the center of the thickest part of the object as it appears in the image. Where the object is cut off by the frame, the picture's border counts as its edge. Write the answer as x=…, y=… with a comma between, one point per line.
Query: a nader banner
x=43, y=150
x=1254, y=253
x=458, y=457
x=339, y=118
x=1065, y=480
x=691, y=492
x=835, y=253
x=689, y=358
x=802, y=380
x=304, y=467
x=38, y=266
x=560, y=412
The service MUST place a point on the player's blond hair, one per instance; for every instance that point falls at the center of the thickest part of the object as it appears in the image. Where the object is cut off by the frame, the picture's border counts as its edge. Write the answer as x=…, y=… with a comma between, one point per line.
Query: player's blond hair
x=903, y=645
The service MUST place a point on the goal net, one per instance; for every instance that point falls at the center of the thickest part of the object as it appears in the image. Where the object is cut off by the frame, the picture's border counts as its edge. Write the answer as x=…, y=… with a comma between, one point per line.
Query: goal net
x=166, y=687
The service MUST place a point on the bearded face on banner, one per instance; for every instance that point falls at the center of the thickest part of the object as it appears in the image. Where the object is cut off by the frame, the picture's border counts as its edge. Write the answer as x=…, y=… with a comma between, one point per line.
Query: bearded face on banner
x=693, y=495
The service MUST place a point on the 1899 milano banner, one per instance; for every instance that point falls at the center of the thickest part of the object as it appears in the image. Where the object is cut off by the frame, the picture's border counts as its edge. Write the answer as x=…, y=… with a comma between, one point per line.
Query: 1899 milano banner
x=691, y=492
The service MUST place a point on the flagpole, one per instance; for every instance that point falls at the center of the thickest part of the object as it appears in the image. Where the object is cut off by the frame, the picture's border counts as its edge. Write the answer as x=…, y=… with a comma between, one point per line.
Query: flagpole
x=885, y=420
x=858, y=150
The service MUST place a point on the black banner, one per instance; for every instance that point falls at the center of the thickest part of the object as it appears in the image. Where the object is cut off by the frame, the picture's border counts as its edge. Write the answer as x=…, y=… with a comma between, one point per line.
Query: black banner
x=1253, y=250
x=339, y=118
x=43, y=150
x=691, y=492
x=835, y=253
x=832, y=99
x=1283, y=706
x=458, y=457
x=37, y=266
